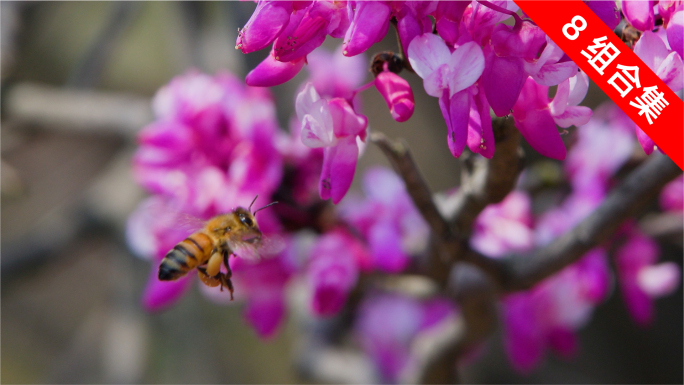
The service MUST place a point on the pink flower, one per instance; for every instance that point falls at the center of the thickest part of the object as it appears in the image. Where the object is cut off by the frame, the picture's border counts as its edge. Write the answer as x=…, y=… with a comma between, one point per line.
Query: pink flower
x=397, y=94
x=607, y=11
x=675, y=31
x=504, y=227
x=332, y=272
x=388, y=220
x=335, y=126
x=536, y=116
x=639, y=14
x=211, y=147
x=640, y=278
x=334, y=75
x=548, y=314
x=665, y=63
x=587, y=165
x=369, y=22
x=267, y=22
x=672, y=196
x=388, y=323
x=449, y=77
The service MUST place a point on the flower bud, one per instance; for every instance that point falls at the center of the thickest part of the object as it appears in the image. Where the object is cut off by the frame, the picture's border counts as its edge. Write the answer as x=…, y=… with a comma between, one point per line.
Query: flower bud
x=397, y=94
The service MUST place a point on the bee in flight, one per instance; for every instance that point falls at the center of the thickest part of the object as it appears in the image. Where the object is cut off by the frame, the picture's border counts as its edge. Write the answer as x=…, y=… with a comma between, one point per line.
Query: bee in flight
x=221, y=236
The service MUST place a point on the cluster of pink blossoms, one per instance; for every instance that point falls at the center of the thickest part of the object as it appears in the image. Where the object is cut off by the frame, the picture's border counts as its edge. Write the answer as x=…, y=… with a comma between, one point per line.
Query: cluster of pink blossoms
x=473, y=63
x=215, y=145
x=549, y=314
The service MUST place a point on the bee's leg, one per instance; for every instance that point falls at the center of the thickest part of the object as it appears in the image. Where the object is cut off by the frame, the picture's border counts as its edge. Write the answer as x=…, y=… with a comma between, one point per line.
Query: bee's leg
x=206, y=278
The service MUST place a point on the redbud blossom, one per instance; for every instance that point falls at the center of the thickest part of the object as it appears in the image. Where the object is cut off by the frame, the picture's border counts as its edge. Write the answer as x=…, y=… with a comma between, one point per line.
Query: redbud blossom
x=397, y=94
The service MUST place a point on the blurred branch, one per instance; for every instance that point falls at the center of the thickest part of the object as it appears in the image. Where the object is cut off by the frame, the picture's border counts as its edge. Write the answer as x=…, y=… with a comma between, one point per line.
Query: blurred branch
x=636, y=191
x=490, y=181
x=83, y=110
x=664, y=225
x=89, y=68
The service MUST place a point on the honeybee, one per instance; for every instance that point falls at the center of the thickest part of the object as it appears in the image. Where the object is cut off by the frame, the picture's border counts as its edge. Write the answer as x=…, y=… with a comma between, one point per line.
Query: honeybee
x=207, y=248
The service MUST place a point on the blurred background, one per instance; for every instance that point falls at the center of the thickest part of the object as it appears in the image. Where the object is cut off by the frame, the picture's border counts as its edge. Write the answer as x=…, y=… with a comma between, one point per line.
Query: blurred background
x=77, y=78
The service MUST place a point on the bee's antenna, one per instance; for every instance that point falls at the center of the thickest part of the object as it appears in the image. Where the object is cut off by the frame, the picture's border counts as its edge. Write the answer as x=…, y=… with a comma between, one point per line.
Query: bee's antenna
x=250, y=205
x=270, y=204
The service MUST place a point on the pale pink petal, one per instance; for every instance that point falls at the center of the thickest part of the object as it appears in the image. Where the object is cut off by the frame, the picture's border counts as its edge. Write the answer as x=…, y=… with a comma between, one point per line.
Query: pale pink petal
x=456, y=112
x=271, y=72
x=573, y=116
x=466, y=64
x=437, y=81
x=671, y=71
x=503, y=78
x=427, y=53
x=317, y=126
x=659, y=280
x=579, y=85
x=369, y=26
x=651, y=49
x=305, y=100
x=672, y=196
x=553, y=74
x=560, y=100
x=339, y=164
x=675, y=32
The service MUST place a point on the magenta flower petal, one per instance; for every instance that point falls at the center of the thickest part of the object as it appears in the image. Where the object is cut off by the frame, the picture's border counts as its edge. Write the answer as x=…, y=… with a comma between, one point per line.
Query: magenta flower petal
x=158, y=295
x=523, y=338
x=639, y=14
x=675, y=33
x=272, y=72
x=385, y=244
x=397, y=94
x=303, y=36
x=456, y=112
x=646, y=143
x=332, y=272
x=480, y=134
x=503, y=78
x=539, y=129
x=607, y=11
x=268, y=20
x=339, y=164
x=672, y=196
x=563, y=341
x=265, y=314
x=369, y=26
x=346, y=121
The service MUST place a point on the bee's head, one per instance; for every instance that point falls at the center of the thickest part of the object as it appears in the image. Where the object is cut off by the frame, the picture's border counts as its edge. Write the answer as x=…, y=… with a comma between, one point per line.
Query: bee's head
x=248, y=228
x=245, y=217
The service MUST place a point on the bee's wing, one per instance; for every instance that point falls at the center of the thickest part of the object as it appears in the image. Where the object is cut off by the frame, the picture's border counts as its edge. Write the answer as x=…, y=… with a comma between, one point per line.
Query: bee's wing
x=188, y=222
x=268, y=246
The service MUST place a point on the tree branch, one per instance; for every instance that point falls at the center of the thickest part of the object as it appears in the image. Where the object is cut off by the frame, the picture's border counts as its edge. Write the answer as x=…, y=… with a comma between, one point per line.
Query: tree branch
x=635, y=192
x=398, y=154
x=490, y=181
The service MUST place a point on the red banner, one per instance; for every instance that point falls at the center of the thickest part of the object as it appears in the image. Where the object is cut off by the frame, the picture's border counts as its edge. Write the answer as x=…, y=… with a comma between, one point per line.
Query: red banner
x=625, y=78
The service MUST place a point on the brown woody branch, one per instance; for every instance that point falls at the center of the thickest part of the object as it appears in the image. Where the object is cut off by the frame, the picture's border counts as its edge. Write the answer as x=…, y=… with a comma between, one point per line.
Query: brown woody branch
x=635, y=192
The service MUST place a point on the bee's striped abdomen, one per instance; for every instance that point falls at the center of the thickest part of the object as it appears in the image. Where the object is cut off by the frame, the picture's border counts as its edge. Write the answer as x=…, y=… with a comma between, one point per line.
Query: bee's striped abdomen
x=191, y=252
